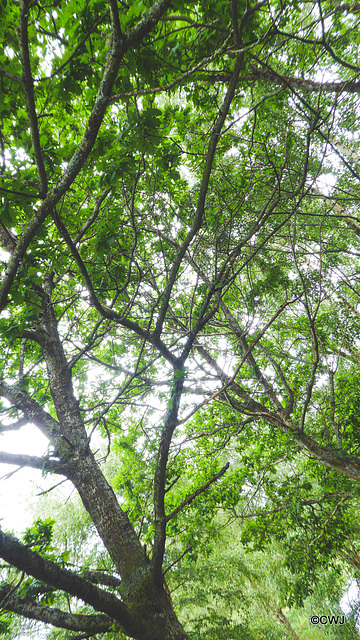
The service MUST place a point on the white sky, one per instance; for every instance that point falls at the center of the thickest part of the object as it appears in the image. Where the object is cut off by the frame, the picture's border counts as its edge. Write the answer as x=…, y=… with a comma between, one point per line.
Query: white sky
x=16, y=491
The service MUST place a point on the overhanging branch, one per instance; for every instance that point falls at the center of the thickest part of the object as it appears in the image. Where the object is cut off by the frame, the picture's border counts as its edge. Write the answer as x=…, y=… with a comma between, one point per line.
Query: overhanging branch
x=34, y=462
x=33, y=564
x=50, y=615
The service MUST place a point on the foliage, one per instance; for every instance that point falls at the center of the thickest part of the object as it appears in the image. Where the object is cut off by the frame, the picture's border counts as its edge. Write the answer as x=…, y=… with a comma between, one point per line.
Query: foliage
x=179, y=296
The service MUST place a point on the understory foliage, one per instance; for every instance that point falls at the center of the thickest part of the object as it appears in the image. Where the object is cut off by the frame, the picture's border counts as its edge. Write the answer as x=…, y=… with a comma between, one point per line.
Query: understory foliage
x=180, y=184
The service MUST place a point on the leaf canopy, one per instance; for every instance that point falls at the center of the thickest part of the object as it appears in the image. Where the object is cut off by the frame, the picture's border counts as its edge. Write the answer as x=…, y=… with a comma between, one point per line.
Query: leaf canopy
x=179, y=295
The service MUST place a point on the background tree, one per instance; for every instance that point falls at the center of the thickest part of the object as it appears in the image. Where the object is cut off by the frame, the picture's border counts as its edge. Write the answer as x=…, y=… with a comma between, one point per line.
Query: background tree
x=178, y=278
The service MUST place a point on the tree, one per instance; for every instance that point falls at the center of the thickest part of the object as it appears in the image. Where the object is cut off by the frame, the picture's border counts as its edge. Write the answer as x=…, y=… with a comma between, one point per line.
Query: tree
x=164, y=224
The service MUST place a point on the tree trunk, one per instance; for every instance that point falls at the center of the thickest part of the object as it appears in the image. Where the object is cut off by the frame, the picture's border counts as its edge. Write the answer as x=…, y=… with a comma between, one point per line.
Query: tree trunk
x=283, y=619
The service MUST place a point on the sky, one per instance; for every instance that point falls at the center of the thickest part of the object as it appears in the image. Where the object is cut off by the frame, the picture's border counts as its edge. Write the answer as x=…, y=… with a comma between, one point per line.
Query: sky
x=17, y=490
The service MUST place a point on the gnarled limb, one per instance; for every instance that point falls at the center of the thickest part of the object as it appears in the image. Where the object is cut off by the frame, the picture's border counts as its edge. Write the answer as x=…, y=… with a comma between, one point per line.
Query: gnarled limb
x=32, y=563
x=90, y=624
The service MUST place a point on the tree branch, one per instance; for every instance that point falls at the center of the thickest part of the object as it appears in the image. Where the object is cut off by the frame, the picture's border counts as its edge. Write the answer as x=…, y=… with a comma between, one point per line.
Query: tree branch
x=196, y=493
x=29, y=96
x=179, y=80
x=51, y=615
x=350, y=221
x=106, y=311
x=17, y=555
x=167, y=431
x=7, y=239
x=93, y=216
x=288, y=505
x=230, y=380
x=213, y=142
x=77, y=48
x=345, y=463
x=115, y=56
x=31, y=409
x=13, y=426
x=303, y=84
x=34, y=462
x=99, y=577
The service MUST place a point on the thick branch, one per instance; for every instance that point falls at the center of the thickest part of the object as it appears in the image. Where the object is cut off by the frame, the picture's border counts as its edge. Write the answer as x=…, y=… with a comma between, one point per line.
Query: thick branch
x=7, y=239
x=343, y=462
x=111, y=522
x=34, y=462
x=167, y=431
x=13, y=426
x=99, y=577
x=353, y=7
x=115, y=20
x=148, y=22
x=31, y=409
x=17, y=555
x=51, y=615
x=303, y=84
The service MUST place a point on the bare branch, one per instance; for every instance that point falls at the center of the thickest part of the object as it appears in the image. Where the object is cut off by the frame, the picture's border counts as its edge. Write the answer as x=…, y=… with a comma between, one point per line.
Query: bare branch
x=34, y=462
